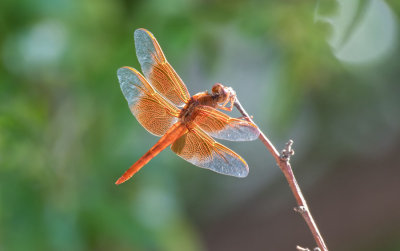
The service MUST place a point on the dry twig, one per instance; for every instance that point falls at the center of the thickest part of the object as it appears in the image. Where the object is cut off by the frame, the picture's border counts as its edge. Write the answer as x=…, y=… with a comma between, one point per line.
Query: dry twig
x=283, y=162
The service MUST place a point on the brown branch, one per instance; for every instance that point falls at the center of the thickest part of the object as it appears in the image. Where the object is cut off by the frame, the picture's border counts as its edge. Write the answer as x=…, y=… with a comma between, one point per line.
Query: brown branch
x=283, y=161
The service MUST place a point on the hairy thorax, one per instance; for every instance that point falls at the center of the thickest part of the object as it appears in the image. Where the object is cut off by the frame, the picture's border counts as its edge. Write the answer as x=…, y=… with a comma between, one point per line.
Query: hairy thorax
x=189, y=112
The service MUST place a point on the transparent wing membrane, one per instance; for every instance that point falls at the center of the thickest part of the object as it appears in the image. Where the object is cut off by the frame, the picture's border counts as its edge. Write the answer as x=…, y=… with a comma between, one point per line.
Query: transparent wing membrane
x=219, y=125
x=201, y=150
x=152, y=111
x=157, y=70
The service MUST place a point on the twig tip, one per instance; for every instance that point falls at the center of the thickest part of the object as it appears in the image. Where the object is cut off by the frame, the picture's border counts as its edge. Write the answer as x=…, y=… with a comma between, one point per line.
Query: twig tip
x=302, y=249
x=306, y=249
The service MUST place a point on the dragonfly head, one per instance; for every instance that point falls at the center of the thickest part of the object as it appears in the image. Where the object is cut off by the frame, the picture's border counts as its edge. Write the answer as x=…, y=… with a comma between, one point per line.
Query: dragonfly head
x=223, y=93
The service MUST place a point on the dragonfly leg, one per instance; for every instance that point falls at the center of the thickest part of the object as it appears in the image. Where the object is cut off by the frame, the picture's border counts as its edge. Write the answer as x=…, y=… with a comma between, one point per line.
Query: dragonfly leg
x=245, y=117
x=227, y=108
x=231, y=100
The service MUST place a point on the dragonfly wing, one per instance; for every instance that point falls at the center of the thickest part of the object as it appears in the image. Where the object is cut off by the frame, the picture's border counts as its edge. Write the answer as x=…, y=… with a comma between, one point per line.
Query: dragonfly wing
x=152, y=111
x=157, y=70
x=201, y=150
x=221, y=126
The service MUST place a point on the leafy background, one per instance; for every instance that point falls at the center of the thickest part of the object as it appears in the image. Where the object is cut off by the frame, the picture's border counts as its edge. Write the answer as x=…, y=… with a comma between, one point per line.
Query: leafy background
x=324, y=73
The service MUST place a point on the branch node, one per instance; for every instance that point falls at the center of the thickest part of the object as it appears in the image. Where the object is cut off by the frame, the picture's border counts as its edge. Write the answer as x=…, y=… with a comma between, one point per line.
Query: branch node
x=300, y=209
x=287, y=152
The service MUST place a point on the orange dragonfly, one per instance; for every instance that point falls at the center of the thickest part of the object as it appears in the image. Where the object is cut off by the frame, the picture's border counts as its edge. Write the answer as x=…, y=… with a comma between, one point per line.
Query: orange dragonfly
x=162, y=105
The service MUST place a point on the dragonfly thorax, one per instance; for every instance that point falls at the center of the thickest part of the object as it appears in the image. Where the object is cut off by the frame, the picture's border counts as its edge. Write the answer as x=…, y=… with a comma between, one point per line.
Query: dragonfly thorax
x=189, y=111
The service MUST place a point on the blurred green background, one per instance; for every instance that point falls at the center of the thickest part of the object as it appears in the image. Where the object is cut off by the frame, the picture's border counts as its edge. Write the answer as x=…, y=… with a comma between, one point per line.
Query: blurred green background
x=323, y=73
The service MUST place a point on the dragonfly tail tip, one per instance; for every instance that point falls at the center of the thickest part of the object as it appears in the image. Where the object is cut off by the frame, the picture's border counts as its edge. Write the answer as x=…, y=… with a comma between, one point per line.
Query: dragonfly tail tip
x=119, y=181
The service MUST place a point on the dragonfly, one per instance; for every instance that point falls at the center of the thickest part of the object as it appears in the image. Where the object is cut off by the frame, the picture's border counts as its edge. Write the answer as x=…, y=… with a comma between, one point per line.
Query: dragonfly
x=162, y=104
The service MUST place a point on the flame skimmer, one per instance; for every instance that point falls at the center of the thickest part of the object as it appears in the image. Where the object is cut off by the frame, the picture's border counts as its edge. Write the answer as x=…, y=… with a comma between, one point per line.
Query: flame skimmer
x=162, y=105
